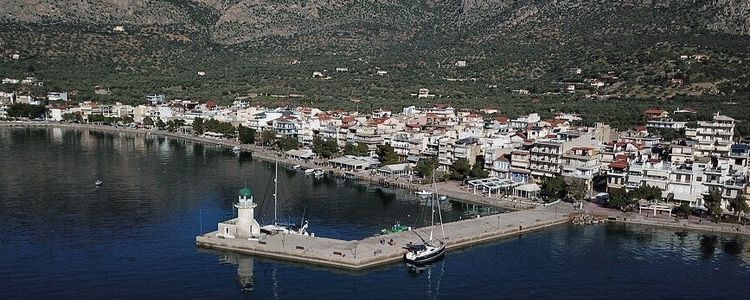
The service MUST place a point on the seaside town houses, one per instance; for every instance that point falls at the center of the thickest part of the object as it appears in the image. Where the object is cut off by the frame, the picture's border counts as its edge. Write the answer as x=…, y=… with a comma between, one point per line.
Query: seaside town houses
x=518, y=151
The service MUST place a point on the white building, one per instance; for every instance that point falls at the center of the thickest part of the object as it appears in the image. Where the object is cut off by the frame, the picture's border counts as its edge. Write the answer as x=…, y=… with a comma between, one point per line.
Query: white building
x=244, y=226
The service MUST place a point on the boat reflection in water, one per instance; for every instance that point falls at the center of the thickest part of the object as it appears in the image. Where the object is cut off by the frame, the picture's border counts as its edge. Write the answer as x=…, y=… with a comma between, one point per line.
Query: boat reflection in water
x=245, y=273
x=433, y=288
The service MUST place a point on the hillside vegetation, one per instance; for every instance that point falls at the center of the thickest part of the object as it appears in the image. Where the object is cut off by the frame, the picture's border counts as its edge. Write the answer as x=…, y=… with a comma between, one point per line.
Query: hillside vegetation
x=632, y=53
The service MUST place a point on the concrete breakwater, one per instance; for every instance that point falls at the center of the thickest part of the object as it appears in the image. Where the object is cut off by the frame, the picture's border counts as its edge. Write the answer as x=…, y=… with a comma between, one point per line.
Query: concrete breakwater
x=384, y=249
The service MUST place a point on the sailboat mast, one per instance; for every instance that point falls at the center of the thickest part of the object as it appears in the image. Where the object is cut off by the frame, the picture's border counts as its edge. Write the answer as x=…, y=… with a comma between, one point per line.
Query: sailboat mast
x=440, y=213
x=275, y=190
x=432, y=207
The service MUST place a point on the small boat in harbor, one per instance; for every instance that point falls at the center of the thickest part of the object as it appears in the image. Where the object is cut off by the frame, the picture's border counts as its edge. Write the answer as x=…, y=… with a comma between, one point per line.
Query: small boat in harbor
x=236, y=149
x=98, y=182
x=443, y=198
x=395, y=228
x=296, y=167
x=309, y=171
x=424, y=193
x=319, y=173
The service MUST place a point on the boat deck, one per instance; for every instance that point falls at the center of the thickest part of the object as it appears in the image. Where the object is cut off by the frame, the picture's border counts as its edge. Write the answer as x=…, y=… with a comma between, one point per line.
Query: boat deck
x=384, y=249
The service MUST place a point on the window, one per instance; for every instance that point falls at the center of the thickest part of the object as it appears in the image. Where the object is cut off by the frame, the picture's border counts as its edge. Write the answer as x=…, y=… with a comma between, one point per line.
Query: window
x=226, y=230
x=698, y=179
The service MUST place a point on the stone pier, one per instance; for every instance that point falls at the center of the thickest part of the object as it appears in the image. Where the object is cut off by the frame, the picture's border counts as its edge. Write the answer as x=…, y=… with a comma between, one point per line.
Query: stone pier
x=384, y=249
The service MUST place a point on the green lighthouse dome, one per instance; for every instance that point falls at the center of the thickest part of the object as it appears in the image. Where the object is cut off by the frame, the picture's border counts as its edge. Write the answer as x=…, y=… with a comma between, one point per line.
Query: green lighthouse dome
x=246, y=192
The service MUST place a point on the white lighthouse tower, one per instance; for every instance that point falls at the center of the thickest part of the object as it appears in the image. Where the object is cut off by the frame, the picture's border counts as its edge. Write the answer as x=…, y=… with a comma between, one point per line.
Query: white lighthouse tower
x=247, y=226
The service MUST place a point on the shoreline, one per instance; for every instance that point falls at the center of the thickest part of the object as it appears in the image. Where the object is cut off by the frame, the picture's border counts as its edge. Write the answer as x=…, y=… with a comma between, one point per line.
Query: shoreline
x=722, y=228
x=272, y=156
x=465, y=197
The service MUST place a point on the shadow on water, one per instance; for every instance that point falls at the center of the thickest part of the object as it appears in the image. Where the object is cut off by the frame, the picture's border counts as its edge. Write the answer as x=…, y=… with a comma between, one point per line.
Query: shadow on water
x=734, y=246
x=708, y=245
x=386, y=197
x=639, y=234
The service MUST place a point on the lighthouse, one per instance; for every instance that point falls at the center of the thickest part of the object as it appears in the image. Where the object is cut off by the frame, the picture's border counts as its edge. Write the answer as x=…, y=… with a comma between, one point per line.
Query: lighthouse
x=247, y=226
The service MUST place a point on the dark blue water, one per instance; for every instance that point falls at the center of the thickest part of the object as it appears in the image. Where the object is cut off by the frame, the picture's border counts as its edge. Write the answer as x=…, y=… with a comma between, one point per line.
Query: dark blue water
x=134, y=236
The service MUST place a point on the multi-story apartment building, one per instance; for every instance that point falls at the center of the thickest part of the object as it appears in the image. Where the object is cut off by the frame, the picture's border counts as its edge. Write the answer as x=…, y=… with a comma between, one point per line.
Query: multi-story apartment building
x=686, y=183
x=546, y=155
x=287, y=126
x=665, y=123
x=714, y=137
x=468, y=149
x=546, y=159
x=581, y=163
x=370, y=136
x=445, y=151
x=679, y=154
x=520, y=165
x=617, y=174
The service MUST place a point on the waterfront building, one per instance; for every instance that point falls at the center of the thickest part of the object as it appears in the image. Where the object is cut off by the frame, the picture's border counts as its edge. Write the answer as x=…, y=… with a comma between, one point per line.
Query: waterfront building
x=519, y=165
x=581, y=163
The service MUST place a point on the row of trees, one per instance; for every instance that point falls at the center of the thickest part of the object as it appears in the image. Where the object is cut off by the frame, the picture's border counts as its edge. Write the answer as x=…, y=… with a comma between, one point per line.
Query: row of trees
x=556, y=188
x=23, y=110
x=712, y=203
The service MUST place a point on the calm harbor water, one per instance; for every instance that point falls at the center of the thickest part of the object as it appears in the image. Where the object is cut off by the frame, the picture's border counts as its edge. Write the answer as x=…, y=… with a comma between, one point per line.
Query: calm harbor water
x=133, y=237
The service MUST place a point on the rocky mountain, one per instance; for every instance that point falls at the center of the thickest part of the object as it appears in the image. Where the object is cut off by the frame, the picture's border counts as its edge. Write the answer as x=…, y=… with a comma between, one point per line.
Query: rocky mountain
x=359, y=21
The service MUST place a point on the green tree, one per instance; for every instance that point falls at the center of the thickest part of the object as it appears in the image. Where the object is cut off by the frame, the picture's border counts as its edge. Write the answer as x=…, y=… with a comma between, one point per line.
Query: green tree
x=361, y=149
x=684, y=210
x=425, y=167
x=646, y=192
x=577, y=189
x=287, y=143
x=148, y=121
x=72, y=117
x=246, y=135
x=173, y=125
x=386, y=154
x=358, y=149
x=23, y=110
x=324, y=148
x=712, y=203
x=96, y=118
x=198, y=126
x=620, y=199
x=554, y=188
x=739, y=205
x=349, y=149
x=267, y=137
x=160, y=124
x=478, y=171
x=127, y=119
x=460, y=169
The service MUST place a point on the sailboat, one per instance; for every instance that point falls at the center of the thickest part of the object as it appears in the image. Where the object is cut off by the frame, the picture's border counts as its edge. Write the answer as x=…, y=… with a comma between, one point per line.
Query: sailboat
x=432, y=249
x=276, y=226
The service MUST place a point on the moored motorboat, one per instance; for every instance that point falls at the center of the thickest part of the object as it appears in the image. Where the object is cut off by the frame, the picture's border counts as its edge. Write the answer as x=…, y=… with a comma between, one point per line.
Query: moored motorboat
x=423, y=193
x=395, y=228
x=98, y=182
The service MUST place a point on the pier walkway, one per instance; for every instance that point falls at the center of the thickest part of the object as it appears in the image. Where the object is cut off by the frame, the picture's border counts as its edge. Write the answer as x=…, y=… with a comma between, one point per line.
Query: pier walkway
x=379, y=250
